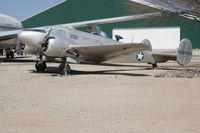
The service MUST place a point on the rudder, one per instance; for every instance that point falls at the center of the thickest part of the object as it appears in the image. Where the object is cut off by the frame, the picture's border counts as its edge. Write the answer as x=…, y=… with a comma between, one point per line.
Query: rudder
x=184, y=52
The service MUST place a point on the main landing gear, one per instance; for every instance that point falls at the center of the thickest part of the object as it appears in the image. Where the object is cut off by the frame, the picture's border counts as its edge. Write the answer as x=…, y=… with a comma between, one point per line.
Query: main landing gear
x=40, y=65
x=64, y=67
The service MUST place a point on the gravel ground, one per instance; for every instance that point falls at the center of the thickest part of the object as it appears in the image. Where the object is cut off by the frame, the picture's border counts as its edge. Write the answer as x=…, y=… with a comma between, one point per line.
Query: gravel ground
x=184, y=73
x=98, y=99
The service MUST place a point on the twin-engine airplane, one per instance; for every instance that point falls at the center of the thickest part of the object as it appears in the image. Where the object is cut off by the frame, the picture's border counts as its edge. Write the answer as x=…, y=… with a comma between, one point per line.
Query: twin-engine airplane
x=64, y=41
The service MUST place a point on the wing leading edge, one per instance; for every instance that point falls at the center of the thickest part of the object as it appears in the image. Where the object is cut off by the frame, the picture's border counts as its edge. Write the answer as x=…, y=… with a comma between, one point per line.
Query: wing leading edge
x=5, y=35
x=112, y=20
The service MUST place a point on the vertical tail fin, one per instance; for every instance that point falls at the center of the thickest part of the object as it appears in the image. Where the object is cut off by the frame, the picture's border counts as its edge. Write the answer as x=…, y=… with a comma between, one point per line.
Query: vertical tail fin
x=184, y=52
x=148, y=43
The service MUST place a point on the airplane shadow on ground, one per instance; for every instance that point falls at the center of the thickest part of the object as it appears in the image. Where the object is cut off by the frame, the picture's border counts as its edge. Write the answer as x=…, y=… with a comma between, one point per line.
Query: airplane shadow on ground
x=115, y=65
x=125, y=72
x=138, y=66
x=23, y=59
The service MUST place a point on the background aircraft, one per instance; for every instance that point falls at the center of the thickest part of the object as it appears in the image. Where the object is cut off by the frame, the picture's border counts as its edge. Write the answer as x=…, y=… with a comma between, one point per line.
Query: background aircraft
x=9, y=25
x=186, y=8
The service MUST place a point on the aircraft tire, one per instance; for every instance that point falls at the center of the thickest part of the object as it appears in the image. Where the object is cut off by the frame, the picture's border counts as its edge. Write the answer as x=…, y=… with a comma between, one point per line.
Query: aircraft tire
x=40, y=66
x=65, y=69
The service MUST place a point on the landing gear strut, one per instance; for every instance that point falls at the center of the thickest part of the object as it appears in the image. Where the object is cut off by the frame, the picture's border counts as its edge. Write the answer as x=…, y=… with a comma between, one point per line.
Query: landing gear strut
x=65, y=68
x=40, y=65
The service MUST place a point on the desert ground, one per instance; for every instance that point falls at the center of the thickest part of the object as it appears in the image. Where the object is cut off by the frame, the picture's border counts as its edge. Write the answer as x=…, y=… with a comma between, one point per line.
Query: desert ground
x=108, y=98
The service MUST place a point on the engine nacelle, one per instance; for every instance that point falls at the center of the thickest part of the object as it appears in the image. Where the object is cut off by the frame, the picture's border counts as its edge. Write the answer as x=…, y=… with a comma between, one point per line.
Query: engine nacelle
x=31, y=38
x=30, y=50
x=55, y=46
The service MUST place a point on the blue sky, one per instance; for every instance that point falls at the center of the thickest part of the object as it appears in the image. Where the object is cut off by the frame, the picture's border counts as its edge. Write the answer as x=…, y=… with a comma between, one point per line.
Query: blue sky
x=22, y=9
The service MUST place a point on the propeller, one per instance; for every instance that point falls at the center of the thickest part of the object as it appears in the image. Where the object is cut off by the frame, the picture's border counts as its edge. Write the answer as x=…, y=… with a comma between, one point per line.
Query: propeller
x=45, y=41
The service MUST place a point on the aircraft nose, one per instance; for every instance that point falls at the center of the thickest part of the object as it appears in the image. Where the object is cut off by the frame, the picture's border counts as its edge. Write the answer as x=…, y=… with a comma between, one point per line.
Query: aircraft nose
x=31, y=38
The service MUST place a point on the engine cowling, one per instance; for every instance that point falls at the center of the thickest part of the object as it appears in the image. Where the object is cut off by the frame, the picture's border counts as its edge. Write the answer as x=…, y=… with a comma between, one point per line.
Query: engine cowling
x=31, y=50
x=55, y=45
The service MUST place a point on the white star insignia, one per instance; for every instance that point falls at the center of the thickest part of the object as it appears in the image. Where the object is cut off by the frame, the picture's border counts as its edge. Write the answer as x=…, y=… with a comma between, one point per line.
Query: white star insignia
x=140, y=56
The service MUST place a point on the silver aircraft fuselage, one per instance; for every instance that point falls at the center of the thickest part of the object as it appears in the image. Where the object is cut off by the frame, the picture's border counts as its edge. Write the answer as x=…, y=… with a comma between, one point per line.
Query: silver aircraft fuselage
x=8, y=23
x=62, y=38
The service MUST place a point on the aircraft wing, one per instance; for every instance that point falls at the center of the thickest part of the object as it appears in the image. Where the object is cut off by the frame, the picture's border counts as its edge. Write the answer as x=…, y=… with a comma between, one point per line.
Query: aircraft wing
x=13, y=34
x=6, y=35
x=97, y=22
x=111, y=20
x=99, y=53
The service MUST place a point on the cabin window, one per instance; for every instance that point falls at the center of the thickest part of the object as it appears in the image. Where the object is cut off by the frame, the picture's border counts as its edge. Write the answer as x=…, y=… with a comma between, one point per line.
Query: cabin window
x=74, y=37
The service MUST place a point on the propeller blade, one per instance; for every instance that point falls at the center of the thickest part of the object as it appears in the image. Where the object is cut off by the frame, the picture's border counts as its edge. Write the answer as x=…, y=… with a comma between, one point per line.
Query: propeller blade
x=46, y=36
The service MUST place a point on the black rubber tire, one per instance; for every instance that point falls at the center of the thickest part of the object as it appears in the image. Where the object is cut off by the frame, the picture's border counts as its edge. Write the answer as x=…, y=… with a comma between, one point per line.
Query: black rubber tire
x=64, y=69
x=40, y=66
